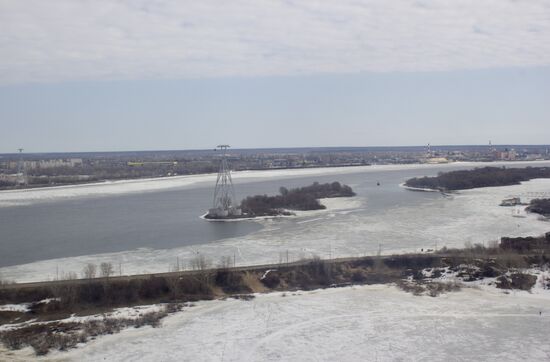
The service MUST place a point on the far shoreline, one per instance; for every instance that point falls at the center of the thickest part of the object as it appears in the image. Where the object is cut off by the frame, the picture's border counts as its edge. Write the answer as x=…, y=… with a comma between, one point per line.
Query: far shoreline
x=298, y=170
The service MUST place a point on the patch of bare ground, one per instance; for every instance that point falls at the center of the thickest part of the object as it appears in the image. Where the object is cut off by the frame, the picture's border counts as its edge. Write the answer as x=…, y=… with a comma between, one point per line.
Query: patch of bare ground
x=253, y=282
x=432, y=288
x=60, y=335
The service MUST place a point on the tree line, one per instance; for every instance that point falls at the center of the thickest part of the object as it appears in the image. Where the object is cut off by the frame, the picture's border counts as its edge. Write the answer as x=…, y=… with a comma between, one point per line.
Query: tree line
x=479, y=177
x=303, y=198
x=540, y=206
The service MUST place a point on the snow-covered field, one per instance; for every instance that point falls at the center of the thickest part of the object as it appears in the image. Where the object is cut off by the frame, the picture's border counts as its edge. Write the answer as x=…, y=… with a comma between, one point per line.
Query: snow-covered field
x=367, y=323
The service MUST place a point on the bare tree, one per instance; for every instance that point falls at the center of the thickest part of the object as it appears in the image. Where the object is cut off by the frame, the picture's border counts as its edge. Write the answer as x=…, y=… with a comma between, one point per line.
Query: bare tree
x=89, y=271
x=225, y=262
x=4, y=282
x=106, y=270
x=174, y=285
x=70, y=275
x=494, y=244
x=200, y=262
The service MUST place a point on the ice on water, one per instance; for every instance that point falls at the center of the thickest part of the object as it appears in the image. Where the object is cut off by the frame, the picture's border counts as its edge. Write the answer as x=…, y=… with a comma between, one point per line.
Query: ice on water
x=342, y=230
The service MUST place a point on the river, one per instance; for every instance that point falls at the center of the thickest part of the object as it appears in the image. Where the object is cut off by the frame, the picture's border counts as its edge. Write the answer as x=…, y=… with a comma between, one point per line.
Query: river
x=150, y=225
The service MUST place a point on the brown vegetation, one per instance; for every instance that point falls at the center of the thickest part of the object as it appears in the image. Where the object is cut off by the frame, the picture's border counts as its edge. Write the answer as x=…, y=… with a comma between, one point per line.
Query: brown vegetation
x=516, y=280
x=64, y=335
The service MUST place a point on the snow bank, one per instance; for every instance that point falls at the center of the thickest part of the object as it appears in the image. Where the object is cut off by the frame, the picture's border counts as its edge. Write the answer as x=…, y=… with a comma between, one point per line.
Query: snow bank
x=370, y=323
x=23, y=308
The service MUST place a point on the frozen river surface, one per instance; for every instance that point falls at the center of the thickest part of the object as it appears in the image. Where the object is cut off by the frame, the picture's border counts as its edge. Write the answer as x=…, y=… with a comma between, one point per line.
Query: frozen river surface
x=152, y=225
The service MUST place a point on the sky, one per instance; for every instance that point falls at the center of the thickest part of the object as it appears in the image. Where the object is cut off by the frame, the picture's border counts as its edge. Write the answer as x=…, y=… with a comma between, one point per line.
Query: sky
x=101, y=75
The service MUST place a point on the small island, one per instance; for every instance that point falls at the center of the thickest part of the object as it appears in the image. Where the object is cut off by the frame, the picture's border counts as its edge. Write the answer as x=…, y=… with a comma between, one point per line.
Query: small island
x=478, y=177
x=540, y=206
x=298, y=199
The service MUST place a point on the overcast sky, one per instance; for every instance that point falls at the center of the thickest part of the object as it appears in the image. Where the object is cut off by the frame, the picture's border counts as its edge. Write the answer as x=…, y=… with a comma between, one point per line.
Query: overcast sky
x=130, y=75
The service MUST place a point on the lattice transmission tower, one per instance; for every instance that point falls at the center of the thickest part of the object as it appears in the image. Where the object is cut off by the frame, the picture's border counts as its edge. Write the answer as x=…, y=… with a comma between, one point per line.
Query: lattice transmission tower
x=224, y=193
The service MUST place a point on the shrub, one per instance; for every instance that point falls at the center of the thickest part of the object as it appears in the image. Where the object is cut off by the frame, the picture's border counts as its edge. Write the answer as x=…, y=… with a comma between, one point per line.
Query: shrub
x=414, y=288
x=520, y=281
x=359, y=276
x=523, y=281
x=436, y=288
x=271, y=280
x=412, y=261
x=231, y=281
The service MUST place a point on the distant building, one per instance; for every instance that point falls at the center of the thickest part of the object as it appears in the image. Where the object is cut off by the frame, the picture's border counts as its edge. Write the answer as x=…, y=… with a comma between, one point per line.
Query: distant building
x=279, y=163
x=437, y=160
x=533, y=157
x=8, y=178
x=45, y=164
x=508, y=155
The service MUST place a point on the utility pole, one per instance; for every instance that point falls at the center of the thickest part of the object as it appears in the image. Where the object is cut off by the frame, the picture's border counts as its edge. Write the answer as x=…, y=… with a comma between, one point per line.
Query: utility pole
x=21, y=175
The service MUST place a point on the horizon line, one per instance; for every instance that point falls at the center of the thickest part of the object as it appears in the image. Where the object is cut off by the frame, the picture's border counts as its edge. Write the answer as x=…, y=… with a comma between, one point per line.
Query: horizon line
x=282, y=148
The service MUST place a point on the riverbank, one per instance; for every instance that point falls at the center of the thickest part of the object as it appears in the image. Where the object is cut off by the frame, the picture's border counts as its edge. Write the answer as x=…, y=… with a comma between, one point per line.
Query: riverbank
x=420, y=189
x=72, y=307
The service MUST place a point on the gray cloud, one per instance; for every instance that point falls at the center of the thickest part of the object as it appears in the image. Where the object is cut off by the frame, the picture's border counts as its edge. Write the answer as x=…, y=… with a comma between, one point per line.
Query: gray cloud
x=63, y=40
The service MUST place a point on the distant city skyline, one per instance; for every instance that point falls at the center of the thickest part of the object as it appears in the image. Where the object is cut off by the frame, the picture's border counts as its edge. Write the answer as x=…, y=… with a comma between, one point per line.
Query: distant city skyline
x=164, y=75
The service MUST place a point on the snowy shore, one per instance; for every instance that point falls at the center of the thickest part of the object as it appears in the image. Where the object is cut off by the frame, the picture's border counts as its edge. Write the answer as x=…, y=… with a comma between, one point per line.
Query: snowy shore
x=361, y=323
x=417, y=188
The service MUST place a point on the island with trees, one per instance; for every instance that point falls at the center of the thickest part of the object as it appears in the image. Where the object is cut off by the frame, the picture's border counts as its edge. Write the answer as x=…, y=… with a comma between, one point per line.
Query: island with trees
x=540, y=206
x=299, y=199
x=478, y=177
